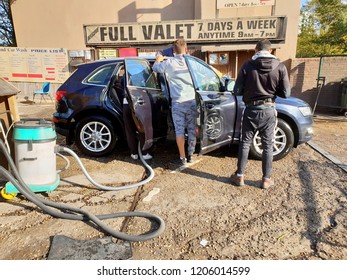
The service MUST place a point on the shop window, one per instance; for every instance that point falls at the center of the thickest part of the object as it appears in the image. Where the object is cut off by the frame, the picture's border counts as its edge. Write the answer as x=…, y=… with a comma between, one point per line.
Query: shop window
x=218, y=58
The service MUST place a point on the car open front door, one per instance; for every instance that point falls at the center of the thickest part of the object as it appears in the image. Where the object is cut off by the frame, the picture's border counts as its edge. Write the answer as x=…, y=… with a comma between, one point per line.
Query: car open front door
x=143, y=94
x=216, y=110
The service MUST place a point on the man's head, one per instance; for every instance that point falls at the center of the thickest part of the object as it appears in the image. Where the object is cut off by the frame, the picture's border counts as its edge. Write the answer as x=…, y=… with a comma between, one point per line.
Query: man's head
x=180, y=46
x=263, y=45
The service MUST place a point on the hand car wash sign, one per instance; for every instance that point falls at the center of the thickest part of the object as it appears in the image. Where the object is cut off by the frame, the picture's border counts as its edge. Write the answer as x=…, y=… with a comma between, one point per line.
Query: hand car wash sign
x=214, y=30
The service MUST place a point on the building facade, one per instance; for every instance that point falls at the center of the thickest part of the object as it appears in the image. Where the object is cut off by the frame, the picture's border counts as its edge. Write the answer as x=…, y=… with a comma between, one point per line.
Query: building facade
x=53, y=36
x=221, y=32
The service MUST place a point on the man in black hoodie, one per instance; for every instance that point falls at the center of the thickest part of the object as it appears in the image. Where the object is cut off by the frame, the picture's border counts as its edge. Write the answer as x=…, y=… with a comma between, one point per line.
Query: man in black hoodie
x=260, y=80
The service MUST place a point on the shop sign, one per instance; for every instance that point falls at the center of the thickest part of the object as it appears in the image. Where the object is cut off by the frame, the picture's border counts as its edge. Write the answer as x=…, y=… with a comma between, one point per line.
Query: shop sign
x=222, y=4
x=214, y=30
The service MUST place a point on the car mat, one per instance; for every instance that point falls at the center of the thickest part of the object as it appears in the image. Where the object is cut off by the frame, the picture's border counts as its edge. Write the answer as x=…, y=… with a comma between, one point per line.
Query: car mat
x=66, y=248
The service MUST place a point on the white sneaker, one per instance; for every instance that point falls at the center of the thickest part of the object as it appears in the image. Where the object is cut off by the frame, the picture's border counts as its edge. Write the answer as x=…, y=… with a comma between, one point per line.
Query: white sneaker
x=147, y=156
x=134, y=156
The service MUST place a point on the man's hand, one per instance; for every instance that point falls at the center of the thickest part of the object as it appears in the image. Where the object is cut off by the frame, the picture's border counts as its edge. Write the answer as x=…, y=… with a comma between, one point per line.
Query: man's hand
x=160, y=58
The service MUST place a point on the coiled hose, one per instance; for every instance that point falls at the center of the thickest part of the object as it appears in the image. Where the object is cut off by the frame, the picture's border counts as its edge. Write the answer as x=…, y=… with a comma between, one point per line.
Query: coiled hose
x=72, y=213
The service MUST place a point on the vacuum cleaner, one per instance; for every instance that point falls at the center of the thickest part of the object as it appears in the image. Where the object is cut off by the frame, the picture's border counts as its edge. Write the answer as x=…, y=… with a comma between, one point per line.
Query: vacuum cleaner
x=34, y=170
x=34, y=145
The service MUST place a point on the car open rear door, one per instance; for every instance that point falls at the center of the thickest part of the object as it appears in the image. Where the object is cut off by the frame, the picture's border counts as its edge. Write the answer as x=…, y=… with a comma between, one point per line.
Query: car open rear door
x=216, y=108
x=142, y=89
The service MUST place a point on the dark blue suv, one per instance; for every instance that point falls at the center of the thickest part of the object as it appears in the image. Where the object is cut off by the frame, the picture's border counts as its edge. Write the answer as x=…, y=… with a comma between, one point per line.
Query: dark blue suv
x=89, y=108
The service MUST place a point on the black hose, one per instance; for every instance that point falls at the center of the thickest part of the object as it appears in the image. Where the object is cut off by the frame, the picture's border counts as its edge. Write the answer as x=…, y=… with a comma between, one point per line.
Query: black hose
x=73, y=213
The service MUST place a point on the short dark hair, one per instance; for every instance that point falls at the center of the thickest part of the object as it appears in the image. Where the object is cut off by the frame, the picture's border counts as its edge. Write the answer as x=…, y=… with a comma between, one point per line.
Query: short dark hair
x=263, y=45
x=180, y=46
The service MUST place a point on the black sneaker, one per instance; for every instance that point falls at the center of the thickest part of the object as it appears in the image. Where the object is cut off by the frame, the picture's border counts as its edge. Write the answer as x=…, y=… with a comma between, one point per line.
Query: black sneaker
x=179, y=161
x=190, y=159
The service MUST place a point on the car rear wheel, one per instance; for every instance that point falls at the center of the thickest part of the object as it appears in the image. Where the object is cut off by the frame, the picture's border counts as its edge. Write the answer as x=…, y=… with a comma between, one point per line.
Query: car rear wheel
x=95, y=136
x=284, y=142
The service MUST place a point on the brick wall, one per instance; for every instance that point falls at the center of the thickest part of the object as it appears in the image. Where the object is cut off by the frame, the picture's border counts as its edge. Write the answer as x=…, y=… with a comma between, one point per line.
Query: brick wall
x=303, y=77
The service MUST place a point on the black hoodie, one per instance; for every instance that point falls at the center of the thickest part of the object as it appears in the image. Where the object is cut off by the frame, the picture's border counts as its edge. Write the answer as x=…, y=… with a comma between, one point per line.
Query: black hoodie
x=262, y=78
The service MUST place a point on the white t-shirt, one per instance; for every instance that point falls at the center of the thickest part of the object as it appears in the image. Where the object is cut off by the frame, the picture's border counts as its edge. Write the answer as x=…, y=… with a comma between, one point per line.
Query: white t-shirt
x=180, y=81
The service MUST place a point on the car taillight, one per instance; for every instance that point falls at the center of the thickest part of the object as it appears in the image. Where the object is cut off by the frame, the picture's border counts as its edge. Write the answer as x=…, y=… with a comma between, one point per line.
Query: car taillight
x=60, y=94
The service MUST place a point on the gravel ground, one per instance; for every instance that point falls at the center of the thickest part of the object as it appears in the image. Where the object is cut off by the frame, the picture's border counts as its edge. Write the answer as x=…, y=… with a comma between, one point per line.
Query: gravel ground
x=303, y=217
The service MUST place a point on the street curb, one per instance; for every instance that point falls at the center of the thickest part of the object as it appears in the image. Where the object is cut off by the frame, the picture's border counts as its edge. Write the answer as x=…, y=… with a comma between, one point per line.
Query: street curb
x=339, y=163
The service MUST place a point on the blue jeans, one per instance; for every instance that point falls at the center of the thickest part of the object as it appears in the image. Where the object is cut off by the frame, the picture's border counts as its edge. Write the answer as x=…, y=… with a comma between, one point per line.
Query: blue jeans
x=265, y=121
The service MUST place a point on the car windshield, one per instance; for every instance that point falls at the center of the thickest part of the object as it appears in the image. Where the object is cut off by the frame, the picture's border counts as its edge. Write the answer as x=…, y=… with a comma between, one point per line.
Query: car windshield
x=140, y=74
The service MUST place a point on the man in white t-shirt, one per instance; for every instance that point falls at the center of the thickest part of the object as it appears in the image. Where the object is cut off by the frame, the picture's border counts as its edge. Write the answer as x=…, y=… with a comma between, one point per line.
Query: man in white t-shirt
x=183, y=104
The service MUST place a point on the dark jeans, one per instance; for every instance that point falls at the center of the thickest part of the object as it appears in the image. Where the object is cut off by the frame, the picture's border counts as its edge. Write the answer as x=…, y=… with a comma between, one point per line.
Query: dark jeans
x=265, y=121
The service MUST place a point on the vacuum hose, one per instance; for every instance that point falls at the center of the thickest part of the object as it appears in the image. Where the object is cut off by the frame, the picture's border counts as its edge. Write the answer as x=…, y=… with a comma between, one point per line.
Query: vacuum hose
x=72, y=213
x=107, y=188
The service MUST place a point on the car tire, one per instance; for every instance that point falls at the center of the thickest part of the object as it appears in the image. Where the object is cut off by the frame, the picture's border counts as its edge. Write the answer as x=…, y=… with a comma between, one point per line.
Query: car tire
x=284, y=142
x=95, y=136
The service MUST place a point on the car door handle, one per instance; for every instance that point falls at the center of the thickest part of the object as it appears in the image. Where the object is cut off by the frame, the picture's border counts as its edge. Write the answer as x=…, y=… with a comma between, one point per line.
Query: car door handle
x=140, y=101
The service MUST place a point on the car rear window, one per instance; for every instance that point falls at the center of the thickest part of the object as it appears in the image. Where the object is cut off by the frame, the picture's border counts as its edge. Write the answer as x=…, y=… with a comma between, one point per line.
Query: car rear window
x=102, y=75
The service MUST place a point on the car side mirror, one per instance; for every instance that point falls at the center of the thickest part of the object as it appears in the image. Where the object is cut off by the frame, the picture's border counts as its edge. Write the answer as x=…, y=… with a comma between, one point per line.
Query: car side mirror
x=229, y=84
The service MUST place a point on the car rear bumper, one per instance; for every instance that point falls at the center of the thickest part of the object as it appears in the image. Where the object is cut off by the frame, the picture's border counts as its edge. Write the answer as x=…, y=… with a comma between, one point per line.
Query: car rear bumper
x=62, y=128
x=62, y=131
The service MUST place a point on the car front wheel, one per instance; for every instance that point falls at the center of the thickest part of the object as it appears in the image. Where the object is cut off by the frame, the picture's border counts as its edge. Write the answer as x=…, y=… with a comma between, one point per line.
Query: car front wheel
x=283, y=144
x=95, y=136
